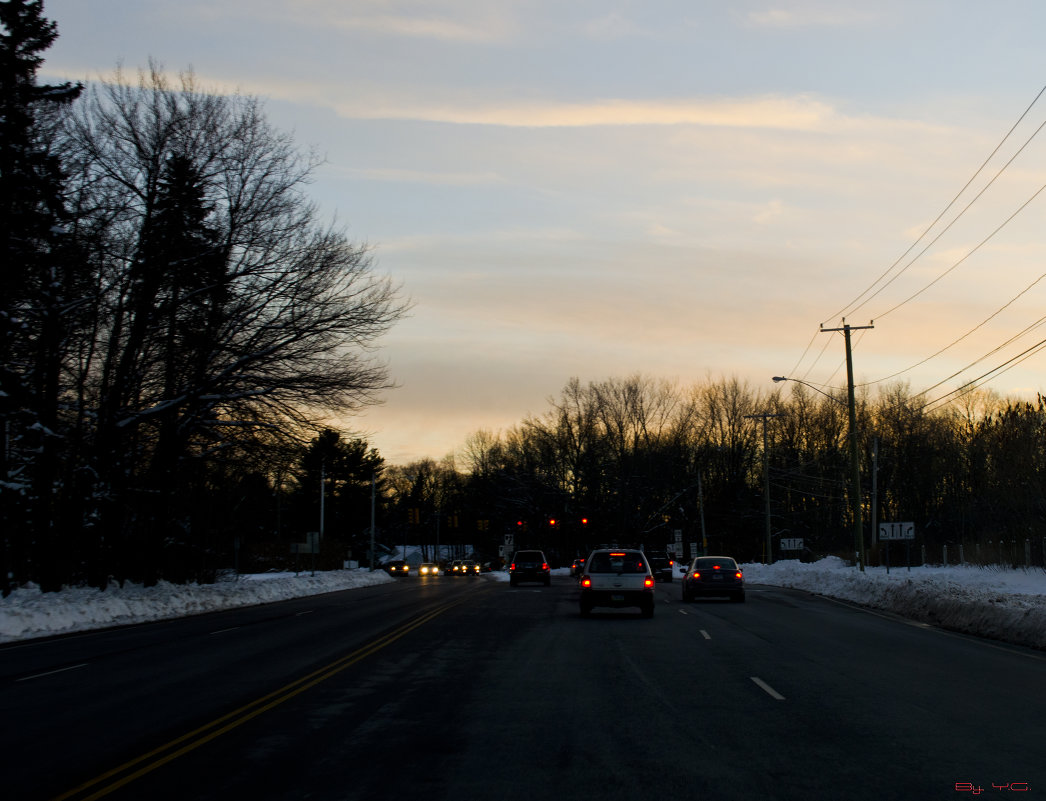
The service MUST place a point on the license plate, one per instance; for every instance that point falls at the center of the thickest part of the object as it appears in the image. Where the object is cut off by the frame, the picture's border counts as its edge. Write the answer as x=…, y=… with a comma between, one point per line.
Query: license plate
x=717, y=578
x=617, y=597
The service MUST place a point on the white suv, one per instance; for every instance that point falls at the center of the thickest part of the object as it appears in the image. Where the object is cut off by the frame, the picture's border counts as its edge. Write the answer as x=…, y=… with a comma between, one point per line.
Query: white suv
x=617, y=577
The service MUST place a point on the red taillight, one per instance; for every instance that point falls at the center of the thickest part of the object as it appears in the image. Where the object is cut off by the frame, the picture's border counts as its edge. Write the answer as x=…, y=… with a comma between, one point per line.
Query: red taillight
x=512, y=566
x=716, y=567
x=737, y=574
x=696, y=575
x=586, y=581
x=544, y=566
x=648, y=581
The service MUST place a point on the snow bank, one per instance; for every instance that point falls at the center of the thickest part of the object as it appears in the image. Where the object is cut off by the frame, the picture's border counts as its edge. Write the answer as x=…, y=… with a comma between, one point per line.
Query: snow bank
x=1003, y=604
x=30, y=613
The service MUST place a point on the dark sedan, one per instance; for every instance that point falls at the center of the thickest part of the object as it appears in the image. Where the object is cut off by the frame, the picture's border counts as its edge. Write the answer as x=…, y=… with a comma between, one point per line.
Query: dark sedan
x=529, y=566
x=714, y=576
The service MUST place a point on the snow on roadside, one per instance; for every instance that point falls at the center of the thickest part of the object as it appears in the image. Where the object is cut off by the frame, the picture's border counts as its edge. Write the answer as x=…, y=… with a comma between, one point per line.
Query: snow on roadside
x=28, y=613
x=1003, y=604
x=999, y=603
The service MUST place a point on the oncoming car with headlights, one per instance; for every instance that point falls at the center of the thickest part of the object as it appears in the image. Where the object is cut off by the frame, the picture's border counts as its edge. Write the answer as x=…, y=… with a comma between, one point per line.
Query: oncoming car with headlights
x=618, y=578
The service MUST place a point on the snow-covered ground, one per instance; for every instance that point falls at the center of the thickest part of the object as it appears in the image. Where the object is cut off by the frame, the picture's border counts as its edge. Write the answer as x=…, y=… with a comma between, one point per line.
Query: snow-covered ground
x=1003, y=604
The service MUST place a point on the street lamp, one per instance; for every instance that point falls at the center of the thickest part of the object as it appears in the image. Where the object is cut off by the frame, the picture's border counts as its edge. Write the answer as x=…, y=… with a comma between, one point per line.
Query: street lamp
x=855, y=465
x=777, y=379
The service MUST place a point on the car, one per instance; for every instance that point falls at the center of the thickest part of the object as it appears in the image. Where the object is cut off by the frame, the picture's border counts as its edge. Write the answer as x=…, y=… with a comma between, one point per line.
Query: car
x=428, y=569
x=661, y=564
x=463, y=567
x=577, y=569
x=618, y=578
x=529, y=566
x=398, y=568
x=707, y=576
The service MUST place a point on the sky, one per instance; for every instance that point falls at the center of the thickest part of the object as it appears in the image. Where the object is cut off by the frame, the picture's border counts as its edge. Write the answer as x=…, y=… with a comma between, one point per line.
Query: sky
x=679, y=189
x=1002, y=604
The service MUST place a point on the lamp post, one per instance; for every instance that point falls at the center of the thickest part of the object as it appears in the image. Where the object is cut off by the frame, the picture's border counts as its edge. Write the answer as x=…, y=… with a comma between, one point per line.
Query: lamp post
x=855, y=465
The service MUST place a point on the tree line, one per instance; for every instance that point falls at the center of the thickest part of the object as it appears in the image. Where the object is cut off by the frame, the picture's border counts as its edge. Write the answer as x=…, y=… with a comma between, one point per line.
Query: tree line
x=636, y=460
x=176, y=320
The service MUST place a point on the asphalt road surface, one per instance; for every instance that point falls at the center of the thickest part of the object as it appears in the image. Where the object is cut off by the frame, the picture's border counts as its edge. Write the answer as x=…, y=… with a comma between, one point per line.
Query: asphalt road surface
x=468, y=688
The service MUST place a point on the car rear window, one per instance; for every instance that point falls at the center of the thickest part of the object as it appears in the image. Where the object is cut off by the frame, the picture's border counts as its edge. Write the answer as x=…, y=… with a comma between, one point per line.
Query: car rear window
x=711, y=564
x=618, y=562
x=529, y=556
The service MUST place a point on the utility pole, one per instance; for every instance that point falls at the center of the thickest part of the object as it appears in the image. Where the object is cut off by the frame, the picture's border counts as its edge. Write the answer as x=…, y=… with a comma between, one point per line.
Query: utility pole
x=764, y=416
x=373, y=493
x=701, y=504
x=855, y=465
x=873, y=530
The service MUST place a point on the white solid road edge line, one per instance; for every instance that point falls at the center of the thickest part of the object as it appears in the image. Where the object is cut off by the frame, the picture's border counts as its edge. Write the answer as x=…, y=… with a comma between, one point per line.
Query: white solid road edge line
x=52, y=672
x=767, y=688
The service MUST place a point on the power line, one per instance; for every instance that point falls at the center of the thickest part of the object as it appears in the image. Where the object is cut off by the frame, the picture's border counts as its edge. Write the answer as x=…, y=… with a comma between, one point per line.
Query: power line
x=1038, y=323
x=969, y=386
x=979, y=245
x=851, y=306
x=957, y=340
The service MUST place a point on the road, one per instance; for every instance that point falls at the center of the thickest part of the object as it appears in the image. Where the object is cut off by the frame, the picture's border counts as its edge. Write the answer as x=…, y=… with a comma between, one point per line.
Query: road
x=472, y=689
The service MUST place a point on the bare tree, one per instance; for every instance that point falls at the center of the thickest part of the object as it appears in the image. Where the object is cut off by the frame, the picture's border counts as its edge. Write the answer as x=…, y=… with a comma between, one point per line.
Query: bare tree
x=224, y=306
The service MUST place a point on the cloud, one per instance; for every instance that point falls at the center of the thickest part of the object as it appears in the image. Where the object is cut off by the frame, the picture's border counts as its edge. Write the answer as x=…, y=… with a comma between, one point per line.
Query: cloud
x=792, y=113
x=457, y=22
x=809, y=16
x=612, y=26
x=423, y=176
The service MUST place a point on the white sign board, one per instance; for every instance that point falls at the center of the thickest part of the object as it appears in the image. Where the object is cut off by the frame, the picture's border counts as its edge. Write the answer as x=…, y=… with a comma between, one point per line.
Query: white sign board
x=897, y=531
x=792, y=544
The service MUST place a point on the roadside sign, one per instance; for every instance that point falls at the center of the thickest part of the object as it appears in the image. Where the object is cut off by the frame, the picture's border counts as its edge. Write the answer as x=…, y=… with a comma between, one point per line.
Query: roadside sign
x=792, y=544
x=897, y=531
x=311, y=544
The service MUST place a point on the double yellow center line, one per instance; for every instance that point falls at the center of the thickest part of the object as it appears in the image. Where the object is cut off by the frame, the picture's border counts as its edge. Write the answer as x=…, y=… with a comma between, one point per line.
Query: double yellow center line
x=128, y=772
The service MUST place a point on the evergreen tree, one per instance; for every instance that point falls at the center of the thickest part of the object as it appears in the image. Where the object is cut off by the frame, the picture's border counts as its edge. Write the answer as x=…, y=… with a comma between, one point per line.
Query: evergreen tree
x=36, y=291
